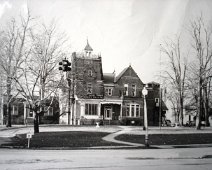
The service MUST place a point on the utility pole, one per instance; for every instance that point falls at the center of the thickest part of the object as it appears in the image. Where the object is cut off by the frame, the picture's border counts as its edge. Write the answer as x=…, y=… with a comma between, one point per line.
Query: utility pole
x=69, y=100
x=72, y=98
x=65, y=66
x=160, y=107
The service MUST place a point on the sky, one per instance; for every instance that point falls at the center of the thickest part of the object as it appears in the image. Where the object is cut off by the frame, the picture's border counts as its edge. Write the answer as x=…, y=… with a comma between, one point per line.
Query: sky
x=125, y=32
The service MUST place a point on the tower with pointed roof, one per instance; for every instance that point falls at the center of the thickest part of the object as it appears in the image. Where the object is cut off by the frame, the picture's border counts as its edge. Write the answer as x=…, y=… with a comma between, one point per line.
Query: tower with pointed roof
x=88, y=49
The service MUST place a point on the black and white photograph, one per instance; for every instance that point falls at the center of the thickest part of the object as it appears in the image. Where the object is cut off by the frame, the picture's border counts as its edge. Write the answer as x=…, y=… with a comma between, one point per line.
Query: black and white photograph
x=105, y=84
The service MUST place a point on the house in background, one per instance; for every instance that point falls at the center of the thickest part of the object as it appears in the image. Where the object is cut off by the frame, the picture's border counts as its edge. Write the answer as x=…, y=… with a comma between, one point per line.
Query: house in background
x=153, y=105
x=21, y=113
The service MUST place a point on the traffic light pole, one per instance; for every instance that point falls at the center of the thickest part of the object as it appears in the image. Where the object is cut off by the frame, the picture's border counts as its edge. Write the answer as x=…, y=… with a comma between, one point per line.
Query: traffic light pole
x=69, y=101
x=65, y=66
x=73, y=100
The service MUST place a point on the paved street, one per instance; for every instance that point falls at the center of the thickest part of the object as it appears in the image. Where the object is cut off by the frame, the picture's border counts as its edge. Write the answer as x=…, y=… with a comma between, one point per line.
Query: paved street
x=152, y=159
x=124, y=159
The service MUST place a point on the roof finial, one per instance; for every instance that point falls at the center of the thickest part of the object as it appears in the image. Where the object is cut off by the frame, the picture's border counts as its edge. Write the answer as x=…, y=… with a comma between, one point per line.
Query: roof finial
x=88, y=47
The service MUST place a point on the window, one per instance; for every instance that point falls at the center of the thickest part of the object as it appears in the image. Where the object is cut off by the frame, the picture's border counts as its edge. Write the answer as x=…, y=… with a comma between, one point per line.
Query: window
x=89, y=88
x=133, y=110
x=157, y=102
x=29, y=112
x=137, y=110
x=134, y=90
x=90, y=73
x=109, y=91
x=48, y=111
x=15, y=110
x=126, y=89
x=128, y=110
x=91, y=109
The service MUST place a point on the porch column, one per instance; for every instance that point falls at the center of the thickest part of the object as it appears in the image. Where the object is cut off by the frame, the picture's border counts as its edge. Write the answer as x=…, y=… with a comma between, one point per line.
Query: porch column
x=82, y=109
x=99, y=109
x=121, y=110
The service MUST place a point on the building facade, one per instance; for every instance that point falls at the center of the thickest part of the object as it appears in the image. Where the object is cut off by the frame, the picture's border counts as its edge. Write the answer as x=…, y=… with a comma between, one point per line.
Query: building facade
x=105, y=97
x=22, y=115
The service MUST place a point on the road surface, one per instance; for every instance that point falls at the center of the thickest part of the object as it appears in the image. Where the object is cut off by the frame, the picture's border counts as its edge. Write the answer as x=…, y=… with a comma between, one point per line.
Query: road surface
x=146, y=159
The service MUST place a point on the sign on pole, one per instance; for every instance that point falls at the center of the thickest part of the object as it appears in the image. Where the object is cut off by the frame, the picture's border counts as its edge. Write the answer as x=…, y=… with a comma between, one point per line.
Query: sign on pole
x=28, y=136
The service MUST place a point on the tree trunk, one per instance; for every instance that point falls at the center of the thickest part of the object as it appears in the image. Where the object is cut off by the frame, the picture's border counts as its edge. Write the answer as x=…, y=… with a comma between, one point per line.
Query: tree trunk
x=8, y=121
x=36, y=123
x=200, y=105
x=181, y=110
x=8, y=124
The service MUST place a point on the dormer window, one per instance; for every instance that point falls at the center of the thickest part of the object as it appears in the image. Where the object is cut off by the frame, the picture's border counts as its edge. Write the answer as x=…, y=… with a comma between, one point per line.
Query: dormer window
x=90, y=73
x=109, y=91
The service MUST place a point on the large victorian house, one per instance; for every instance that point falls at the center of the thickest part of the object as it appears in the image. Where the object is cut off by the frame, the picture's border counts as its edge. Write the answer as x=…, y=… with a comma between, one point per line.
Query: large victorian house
x=102, y=97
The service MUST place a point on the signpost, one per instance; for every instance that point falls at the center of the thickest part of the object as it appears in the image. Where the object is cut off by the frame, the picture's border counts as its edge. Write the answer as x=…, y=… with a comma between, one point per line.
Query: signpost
x=28, y=136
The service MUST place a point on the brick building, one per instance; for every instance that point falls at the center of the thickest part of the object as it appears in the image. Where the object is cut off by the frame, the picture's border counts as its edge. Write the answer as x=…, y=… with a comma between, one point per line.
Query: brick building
x=21, y=114
x=153, y=105
x=105, y=97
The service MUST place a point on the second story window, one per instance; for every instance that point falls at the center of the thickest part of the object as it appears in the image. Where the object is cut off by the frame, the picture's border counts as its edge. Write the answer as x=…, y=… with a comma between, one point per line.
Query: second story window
x=133, y=90
x=89, y=88
x=90, y=73
x=126, y=89
x=109, y=91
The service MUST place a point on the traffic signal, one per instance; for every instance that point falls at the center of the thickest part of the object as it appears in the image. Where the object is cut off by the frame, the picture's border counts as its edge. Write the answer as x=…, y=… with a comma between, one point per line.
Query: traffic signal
x=65, y=65
x=61, y=66
x=68, y=66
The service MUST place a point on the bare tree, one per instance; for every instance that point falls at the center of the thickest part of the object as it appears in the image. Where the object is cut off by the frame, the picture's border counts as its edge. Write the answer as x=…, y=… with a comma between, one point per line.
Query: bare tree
x=202, y=46
x=40, y=82
x=12, y=48
x=176, y=73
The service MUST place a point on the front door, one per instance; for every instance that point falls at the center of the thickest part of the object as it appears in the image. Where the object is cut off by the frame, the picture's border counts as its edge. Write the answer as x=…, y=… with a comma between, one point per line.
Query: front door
x=108, y=113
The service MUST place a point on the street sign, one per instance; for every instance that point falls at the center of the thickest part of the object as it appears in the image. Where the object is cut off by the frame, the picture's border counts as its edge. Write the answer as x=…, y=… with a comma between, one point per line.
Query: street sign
x=29, y=135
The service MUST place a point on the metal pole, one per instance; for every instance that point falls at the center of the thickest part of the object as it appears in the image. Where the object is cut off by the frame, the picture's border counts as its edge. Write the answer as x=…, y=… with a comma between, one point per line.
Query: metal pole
x=73, y=85
x=69, y=101
x=28, y=142
x=160, y=107
x=160, y=93
x=146, y=123
x=73, y=99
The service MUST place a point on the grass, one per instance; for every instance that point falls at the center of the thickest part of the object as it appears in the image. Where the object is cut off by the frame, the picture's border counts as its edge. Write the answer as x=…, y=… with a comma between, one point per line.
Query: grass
x=169, y=139
x=72, y=139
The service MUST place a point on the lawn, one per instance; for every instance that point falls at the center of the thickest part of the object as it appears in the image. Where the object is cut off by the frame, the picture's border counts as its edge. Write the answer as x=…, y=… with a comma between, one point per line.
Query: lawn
x=169, y=139
x=72, y=139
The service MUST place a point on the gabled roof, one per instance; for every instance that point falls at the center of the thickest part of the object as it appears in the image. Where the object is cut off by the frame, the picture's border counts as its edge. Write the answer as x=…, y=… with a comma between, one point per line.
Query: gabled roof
x=88, y=47
x=126, y=69
x=120, y=74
